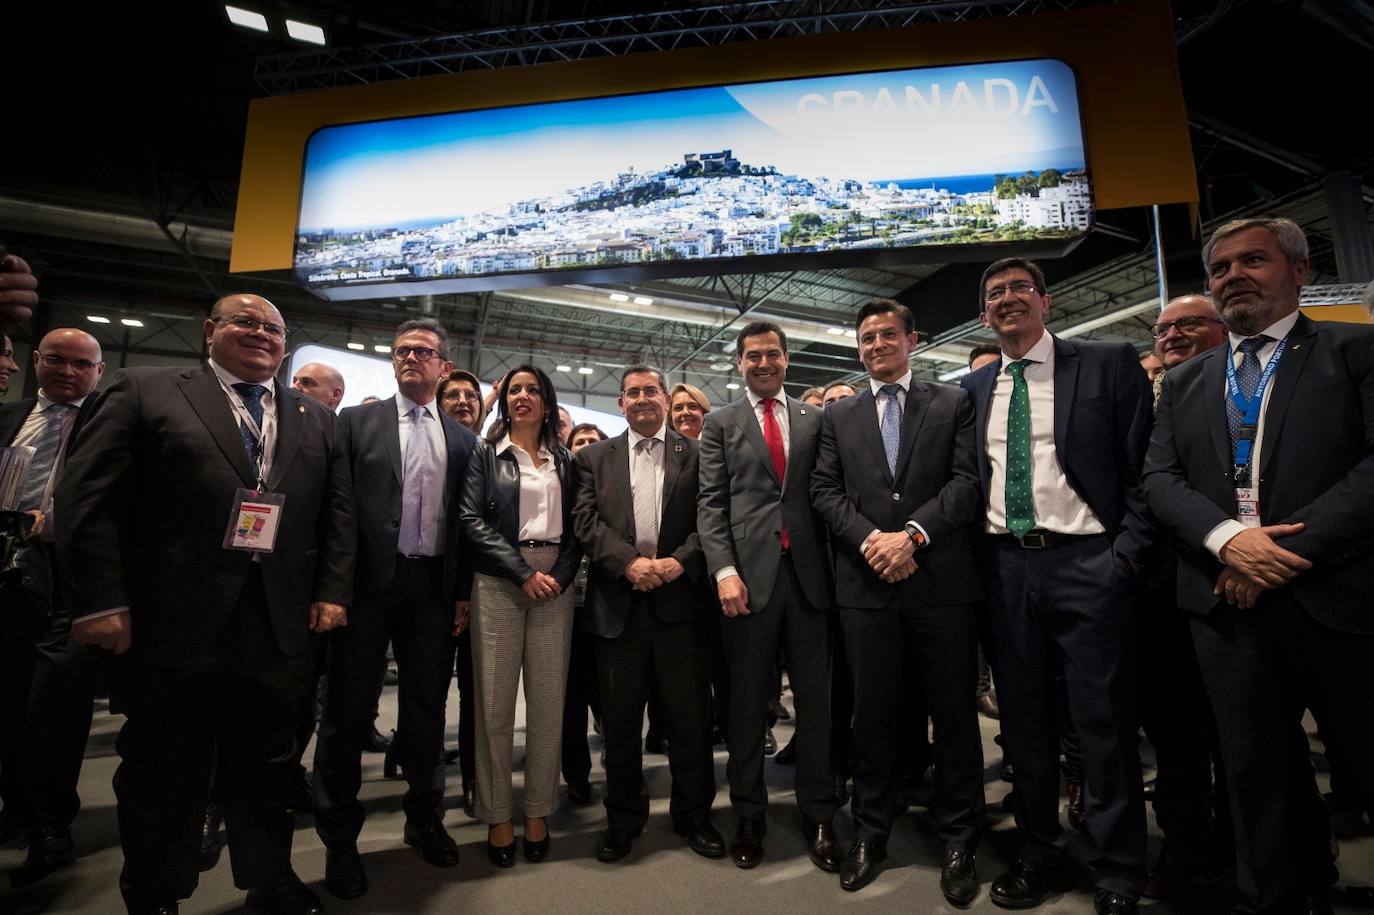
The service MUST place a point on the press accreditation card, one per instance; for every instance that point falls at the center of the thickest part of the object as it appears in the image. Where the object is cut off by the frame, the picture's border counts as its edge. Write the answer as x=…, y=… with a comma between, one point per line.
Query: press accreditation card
x=253, y=521
x=1247, y=506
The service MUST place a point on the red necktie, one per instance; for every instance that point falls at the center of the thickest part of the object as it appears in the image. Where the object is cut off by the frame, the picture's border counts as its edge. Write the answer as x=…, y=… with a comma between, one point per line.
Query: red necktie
x=772, y=437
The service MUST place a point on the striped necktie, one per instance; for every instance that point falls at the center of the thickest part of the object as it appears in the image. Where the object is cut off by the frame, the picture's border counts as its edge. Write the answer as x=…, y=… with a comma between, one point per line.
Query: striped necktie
x=45, y=450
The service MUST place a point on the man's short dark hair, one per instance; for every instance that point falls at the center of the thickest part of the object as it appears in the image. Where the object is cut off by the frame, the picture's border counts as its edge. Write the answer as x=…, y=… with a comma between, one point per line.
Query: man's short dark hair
x=642, y=367
x=886, y=307
x=429, y=326
x=757, y=329
x=1002, y=266
x=984, y=349
x=584, y=427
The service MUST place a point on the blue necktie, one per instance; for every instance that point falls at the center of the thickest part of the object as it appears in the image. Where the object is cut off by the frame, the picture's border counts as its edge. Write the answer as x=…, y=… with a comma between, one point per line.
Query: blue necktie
x=252, y=399
x=1247, y=378
x=45, y=449
x=892, y=426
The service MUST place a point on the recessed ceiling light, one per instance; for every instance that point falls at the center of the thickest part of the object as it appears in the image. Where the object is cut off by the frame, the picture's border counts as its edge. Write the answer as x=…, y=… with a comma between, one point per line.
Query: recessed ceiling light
x=131, y=322
x=356, y=346
x=304, y=31
x=562, y=368
x=380, y=348
x=731, y=386
x=246, y=18
x=837, y=331
x=643, y=300
x=97, y=319
x=721, y=366
x=619, y=297
x=584, y=370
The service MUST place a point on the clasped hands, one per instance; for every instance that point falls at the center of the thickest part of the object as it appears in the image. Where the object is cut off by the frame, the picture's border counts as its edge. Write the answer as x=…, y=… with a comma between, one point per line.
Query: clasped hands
x=645, y=574
x=891, y=555
x=1255, y=564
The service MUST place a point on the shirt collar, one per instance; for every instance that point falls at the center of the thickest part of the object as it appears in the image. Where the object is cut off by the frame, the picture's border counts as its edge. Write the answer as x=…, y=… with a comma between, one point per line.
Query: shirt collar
x=1040, y=352
x=230, y=379
x=44, y=401
x=404, y=405
x=904, y=382
x=504, y=444
x=1276, y=331
x=755, y=400
x=636, y=438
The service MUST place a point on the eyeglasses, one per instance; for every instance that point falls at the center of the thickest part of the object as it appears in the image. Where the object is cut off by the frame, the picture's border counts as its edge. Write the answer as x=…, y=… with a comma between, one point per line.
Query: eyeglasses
x=998, y=293
x=55, y=361
x=1186, y=325
x=653, y=392
x=460, y=393
x=421, y=353
x=253, y=325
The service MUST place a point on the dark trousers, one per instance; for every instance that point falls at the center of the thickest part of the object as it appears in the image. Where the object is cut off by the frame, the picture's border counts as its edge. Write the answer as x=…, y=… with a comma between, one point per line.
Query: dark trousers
x=414, y=617
x=751, y=646
x=1070, y=606
x=235, y=712
x=1262, y=667
x=16, y=673
x=467, y=718
x=938, y=647
x=582, y=694
x=841, y=704
x=720, y=671
x=678, y=655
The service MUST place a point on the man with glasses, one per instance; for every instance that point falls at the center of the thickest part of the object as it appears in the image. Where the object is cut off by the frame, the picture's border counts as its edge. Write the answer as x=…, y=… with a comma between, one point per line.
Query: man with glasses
x=198, y=530
x=404, y=459
x=1062, y=427
x=67, y=364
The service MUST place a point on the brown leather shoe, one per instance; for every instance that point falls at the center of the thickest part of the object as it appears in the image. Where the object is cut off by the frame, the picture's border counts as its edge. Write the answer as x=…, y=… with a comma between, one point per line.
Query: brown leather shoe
x=987, y=707
x=825, y=852
x=1077, y=821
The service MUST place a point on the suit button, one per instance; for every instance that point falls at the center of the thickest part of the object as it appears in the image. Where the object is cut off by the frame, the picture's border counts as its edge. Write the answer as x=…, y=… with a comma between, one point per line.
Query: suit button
x=896, y=497
x=395, y=522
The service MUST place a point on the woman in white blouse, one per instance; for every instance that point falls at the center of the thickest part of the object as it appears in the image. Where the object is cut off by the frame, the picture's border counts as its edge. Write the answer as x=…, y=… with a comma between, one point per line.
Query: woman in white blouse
x=516, y=519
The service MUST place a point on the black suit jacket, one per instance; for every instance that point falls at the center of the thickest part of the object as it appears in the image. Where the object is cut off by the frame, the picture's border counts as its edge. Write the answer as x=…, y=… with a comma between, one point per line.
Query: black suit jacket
x=143, y=504
x=605, y=518
x=1102, y=416
x=368, y=443
x=936, y=486
x=12, y=416
x=1316, y=467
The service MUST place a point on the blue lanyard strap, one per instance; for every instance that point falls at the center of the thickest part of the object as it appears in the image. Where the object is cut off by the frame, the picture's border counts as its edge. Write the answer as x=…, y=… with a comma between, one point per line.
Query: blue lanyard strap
x=1249, y=407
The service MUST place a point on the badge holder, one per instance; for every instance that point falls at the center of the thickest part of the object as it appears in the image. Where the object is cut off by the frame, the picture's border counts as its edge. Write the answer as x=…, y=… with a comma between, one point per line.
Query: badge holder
x=253, y=521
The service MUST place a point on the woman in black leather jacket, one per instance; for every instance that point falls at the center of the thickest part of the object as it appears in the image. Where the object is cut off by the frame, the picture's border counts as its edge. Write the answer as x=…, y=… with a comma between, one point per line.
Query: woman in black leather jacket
x=516, y=519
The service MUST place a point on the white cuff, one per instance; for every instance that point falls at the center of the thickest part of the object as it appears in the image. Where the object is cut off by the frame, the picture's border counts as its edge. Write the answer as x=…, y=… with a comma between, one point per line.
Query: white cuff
x=925, y=538
x=871, y=534
x=725, y=573
x=1221, y=535
x=99, y=613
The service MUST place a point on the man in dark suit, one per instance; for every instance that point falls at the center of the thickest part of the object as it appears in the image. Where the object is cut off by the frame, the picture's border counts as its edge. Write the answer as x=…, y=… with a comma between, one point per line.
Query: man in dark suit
x=766, y=549
x=896, y=480
x=1261, y=467
x=43, y=758
x=161, y=478
x=1062, y=427
x=405, y=460
x=636, y=519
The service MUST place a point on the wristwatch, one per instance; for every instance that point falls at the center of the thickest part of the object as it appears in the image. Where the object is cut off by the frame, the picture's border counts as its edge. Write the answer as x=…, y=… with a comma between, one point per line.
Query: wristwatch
x=918, y=539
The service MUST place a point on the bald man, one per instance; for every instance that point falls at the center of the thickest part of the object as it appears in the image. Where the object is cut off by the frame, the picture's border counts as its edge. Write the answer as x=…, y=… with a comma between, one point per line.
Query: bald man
x=202, y=526
x=320, y=381
x=1188, y=326
x=67, y=363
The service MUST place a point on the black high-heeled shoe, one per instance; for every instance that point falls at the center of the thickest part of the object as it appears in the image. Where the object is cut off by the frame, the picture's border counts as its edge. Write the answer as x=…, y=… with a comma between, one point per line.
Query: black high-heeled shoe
x=389, y=765
x=501, y=855
x=536, y=851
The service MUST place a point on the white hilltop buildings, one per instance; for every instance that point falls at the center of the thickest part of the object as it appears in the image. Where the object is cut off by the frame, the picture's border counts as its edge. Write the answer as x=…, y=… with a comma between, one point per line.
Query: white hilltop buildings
x=1067, y=206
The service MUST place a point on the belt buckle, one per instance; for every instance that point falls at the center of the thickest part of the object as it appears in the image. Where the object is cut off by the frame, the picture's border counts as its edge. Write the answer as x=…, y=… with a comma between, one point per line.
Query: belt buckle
x=1034, y=540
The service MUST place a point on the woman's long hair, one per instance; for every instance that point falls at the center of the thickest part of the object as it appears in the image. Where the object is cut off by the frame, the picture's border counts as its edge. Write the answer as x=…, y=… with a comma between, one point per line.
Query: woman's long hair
x=548, y=427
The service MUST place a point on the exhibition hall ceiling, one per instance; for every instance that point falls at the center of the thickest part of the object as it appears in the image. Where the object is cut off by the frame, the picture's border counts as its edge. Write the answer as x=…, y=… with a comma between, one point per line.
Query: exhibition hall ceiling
x=124, y=137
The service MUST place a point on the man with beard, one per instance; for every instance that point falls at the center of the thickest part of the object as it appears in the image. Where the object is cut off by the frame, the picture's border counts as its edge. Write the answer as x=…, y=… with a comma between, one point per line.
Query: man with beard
x=1262, y=467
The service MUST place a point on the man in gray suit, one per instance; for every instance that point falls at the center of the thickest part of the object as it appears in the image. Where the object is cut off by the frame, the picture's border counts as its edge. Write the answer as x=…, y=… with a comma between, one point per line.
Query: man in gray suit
x=766, y=551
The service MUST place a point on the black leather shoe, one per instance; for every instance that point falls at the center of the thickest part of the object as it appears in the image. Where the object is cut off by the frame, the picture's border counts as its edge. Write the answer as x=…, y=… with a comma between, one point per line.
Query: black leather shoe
x=343, y=872
x=1073, y=811
x=1174, y=869
x=654, y=742
x=436, y=846
x=747, y=849
x=1026, y=885
x=50, y=847
x=787, y=756
x=536, y=850
x=377, y=742
x=579, y=792
x=501, y=855
x=390, y=764
x=211, y=841
x=705, y=839
x=285, y=896
x=470, y=799
x=861, y=865
x=959, y=878
x=1109, y=903
x=452, y=756
x=770, y=743
x=822, y=847
x=614, y=845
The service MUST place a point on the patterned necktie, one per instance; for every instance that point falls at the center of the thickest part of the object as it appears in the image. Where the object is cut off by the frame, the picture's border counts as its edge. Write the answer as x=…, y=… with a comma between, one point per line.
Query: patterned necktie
x=645, y=496
x=252, y=399
x=1020, y=500
x=1247, y=378
x=891, y=426
x=414, y=477
x=45, y=450
x=772, y=437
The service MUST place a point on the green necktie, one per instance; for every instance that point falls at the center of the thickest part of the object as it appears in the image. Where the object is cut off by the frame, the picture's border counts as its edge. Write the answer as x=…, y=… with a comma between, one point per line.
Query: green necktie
x=1019, y=498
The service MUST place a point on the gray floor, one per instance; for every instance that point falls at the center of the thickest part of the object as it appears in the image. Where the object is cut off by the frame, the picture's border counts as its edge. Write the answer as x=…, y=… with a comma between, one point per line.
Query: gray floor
x=660, y=875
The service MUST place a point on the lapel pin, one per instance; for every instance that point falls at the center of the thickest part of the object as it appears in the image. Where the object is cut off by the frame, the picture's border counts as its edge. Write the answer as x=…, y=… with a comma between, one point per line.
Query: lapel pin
x=803, y=412
x=678, y=448
x=301, y=407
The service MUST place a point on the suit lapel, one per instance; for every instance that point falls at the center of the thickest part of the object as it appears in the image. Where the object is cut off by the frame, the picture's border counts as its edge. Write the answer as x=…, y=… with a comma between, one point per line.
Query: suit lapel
x=391, y=435
x=1065, y=394
x=795, y=409
x=983, y=384
x=1285, y=381
x=917, y=404
x=290, y=427
x=450, y=429
x=12, y=416
x=202, y=390
x=748, y=423
x=1214, y=406
x=674, y=453
x=621, y=510
x=865, y=404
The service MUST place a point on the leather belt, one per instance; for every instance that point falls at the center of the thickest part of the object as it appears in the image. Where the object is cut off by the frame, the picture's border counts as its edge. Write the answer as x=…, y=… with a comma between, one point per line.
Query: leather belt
x=1040, y=539
x=536, y=543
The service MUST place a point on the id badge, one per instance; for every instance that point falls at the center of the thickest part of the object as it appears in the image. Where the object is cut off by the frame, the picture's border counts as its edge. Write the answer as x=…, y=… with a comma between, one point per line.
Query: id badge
x=253, y=521
x=1247, y=506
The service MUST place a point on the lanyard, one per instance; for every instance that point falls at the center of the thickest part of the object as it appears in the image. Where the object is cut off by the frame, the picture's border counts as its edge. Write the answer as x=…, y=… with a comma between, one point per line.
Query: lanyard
x=264, y=462
x=1249, y=407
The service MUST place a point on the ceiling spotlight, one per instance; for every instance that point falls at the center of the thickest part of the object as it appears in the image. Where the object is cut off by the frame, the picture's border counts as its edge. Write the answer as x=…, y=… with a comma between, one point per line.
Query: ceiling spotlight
x=837, y=331
x=731, y=386
x=304, y=31
x=584, y=370
x=562, y=368
x=721, y=366
x=246, y=18
x=619, y=297
x=643, y=300
x=380, y=348
x=97, y=319
x=356, y=346
x=131, y=322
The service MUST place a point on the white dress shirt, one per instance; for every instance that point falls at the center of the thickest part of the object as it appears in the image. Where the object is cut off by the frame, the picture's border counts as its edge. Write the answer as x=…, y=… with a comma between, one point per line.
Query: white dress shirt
x=541, y=494
x=1223, y=532
x=1057, y=507
x=657, y=455
x=435, y=484
x=28, y=435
